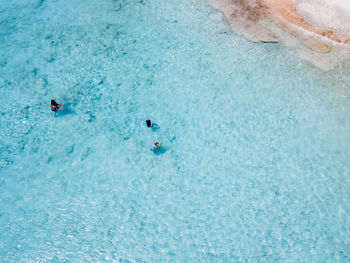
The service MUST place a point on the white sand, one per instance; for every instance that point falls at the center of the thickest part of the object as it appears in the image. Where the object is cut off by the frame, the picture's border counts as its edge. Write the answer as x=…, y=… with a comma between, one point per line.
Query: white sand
x=329, y=14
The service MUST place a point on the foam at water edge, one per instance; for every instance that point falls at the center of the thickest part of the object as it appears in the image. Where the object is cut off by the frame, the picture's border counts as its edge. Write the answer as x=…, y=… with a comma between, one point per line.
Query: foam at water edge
x=331, y=14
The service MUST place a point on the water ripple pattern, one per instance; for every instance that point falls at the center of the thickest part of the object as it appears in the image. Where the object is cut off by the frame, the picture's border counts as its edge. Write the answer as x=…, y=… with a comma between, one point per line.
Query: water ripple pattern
x=255, y=166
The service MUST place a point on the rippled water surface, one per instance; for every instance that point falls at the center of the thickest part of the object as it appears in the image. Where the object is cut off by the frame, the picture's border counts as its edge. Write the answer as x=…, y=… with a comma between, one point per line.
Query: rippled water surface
x=255, y=165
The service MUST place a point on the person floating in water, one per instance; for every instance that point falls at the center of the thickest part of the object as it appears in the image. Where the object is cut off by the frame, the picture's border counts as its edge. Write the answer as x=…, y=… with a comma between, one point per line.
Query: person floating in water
x=55, y=106
x=153, y=125
x=149, y=123
x=156, y=146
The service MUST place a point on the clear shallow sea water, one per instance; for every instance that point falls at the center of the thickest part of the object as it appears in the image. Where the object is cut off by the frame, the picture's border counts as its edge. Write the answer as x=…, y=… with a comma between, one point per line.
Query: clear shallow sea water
x=257, y=144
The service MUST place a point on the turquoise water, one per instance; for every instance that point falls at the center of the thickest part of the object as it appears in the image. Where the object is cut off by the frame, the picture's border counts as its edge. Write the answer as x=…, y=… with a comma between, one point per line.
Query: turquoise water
x=255, y=166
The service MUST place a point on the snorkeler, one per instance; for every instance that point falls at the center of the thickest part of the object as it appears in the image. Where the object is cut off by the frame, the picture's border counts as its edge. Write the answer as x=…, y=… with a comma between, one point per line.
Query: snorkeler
x=156, y=146
x=149, y=123
x=152, y=125
x=55, y=106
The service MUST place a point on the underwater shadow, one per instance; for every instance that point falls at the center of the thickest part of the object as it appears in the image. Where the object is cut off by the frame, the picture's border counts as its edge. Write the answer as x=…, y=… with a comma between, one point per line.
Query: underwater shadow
x=160, y=151
x=65, y=111
x=155, y=127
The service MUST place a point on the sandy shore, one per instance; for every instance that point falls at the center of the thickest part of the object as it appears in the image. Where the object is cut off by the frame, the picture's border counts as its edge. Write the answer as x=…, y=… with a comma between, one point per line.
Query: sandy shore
x=322, y=25
x=330, y=14
x=284, y=13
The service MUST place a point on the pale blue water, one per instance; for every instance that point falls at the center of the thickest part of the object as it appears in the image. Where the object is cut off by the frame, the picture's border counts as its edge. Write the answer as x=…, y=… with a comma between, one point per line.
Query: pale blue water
x=256, y=164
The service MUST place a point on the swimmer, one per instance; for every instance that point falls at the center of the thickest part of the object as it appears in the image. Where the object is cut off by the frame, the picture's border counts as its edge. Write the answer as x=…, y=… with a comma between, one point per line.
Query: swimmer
x=153, y=125
x=54, y=106
x=149, y=123
x=156, y=146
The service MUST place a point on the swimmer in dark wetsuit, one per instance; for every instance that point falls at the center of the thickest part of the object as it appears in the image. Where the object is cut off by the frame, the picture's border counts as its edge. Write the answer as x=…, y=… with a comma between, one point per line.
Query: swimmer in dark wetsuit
x=55, y=106
x=149, y=123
